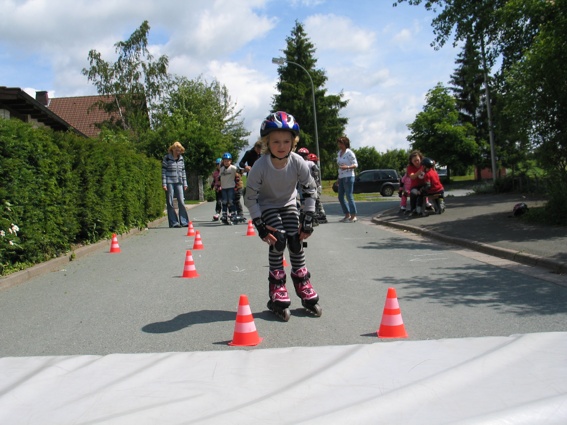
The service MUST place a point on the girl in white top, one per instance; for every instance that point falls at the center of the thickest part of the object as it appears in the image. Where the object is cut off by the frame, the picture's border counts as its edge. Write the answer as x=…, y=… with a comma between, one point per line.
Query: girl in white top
x=346, y=160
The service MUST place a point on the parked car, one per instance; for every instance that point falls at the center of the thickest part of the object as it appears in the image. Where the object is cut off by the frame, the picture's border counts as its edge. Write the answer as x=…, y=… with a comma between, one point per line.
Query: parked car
x=443, y=173
x=385, y=182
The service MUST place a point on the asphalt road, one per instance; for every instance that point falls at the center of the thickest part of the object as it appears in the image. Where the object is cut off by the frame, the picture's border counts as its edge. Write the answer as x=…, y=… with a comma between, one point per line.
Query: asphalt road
x=136, y=301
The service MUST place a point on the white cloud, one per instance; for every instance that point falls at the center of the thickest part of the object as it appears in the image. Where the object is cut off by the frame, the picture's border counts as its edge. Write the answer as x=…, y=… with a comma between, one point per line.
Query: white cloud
x=247, y=87
x=306, y=3
x=219, y=30
x=339, y=35
x=403, y=37
x=381, y=60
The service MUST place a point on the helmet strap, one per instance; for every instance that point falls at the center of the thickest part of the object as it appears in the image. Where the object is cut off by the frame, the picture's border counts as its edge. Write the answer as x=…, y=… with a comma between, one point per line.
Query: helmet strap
x=281, y=159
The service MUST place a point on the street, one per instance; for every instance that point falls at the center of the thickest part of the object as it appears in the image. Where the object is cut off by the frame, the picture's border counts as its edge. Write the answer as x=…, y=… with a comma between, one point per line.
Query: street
x=136, y=302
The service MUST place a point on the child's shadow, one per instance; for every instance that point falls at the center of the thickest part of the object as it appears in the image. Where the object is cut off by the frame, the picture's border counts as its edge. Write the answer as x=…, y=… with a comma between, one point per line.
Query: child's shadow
x=187, y=319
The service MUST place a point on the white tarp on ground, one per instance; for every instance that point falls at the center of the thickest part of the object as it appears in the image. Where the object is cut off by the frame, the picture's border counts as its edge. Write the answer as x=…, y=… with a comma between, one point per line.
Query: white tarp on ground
x=520, y=379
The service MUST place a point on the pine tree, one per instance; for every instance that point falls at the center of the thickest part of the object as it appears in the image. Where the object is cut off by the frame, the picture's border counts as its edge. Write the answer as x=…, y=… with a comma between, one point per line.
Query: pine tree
x=467, y=87
x=295, y=97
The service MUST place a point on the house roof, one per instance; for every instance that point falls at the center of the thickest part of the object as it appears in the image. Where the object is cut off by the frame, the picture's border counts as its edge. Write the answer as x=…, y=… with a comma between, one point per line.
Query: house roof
x=80, y=112
x=24, y=107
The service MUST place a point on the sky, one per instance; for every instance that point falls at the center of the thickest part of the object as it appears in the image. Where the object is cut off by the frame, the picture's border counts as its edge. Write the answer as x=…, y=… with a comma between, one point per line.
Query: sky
x=378, y=55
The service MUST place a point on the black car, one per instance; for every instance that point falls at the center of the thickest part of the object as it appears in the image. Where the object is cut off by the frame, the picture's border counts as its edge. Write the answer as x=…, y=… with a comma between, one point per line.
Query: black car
x=386, y=182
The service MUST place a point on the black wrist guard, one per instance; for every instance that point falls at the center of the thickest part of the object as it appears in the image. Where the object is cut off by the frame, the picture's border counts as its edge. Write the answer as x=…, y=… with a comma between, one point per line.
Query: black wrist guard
x=261, y=227
x=307, y=223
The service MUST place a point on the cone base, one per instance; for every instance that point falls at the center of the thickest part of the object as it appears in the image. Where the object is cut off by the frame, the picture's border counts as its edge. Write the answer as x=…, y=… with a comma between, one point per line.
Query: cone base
x=237, y=343
x=392, y=332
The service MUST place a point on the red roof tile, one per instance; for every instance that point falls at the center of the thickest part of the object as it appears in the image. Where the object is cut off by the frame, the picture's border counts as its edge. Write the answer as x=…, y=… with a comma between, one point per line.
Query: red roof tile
x=77, y=111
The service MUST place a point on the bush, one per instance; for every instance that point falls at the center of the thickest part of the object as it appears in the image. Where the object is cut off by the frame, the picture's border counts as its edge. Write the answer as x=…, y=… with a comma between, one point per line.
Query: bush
x=556, y=206
x=60, y=189
x=521, y=183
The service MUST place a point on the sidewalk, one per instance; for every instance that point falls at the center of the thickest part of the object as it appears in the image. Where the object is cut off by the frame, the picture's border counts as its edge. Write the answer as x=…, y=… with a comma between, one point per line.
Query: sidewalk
x=485, y=223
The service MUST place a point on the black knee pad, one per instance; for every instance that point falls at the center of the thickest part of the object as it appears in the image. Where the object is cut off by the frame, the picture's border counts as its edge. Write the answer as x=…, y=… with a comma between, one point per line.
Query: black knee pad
x=279, y=246
x=294, y=244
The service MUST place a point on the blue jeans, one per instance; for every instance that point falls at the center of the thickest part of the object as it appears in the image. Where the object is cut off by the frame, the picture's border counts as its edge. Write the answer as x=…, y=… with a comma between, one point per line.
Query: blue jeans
x=176, y=191
x=228, y=200
x=346, y=185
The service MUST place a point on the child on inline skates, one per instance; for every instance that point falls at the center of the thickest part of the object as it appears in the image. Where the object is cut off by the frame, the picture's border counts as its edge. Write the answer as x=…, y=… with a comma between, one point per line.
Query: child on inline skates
x=238, y=189
x=320, y=214
x=271, y=200
x=228, y=182
x=216, y=187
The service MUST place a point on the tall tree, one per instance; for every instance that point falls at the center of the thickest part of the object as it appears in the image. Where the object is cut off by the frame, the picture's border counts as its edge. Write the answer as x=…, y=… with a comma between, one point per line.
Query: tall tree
x=438, y=132
x=396, y=159
x=537, y=85
x=295, y=96
x=467, y=86
x=135, y=81
x=368, y=158
x=203, y=118
x=475, y=20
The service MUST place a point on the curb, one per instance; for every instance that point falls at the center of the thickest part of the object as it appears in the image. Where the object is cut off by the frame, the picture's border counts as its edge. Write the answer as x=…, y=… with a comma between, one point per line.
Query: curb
x=507, y=254
x=60, y=262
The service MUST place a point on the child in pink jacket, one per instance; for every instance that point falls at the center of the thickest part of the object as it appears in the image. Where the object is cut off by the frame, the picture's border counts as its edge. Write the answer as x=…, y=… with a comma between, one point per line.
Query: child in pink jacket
x=403, y=192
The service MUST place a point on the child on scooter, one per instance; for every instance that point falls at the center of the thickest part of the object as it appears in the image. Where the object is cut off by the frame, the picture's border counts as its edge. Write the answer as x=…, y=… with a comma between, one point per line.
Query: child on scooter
x=432, y=187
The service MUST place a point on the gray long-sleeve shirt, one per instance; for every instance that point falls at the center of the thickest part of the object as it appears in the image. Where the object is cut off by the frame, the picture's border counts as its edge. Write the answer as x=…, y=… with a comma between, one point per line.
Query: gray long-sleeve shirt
x=268, y=187
x=173, y=170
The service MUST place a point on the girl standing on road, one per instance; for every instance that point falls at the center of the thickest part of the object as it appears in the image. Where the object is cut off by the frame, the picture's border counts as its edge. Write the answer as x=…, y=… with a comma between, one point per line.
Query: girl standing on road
x=174, y=182
x=271, y=193
x=346, y=159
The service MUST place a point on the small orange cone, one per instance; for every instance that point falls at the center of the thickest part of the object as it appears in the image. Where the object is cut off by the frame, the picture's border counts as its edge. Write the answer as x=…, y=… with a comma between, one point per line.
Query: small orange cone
x=189, y=269
x=285, y=264
x=392, y=325
x=198, y=244
x=190, y=229
x=114, y=247
x=250, y=231
x=245, y=333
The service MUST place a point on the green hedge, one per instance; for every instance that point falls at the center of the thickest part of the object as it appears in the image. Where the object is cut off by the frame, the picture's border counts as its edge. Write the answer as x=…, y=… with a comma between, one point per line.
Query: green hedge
x=60, y=189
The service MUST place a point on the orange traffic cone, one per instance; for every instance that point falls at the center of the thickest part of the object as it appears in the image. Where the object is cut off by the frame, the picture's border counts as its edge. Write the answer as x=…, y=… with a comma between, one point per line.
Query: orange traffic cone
x=114, y=247
x=198, y=244
x=250, y=231
x=285, y=264
x=189, y=269
x=245, y=333
x=392, y=325
x=190, y=229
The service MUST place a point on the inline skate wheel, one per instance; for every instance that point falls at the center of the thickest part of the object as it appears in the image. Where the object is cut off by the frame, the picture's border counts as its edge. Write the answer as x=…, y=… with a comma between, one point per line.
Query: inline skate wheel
x=314, y=309
x=285, y=314
x=282, y=313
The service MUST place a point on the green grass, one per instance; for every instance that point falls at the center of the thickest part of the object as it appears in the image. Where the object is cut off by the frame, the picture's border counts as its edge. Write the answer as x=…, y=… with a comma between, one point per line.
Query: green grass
x=371, y=197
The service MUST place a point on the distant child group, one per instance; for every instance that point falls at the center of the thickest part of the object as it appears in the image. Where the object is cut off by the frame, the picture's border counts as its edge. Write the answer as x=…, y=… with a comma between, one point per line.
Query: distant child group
x=227, y=185
x=419, y=183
